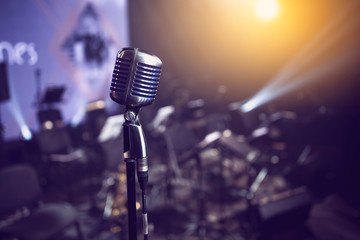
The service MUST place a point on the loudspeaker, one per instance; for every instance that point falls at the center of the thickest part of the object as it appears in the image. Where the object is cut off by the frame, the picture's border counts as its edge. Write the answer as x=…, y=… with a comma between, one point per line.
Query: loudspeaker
x=280, y=212
x=4, y=88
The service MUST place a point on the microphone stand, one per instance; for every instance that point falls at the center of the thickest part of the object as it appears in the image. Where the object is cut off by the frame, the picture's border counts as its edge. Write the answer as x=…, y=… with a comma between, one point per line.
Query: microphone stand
x=134, y=150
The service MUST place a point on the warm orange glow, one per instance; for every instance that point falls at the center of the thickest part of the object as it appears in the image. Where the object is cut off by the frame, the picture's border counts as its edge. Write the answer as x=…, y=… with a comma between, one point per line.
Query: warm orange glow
x=227, y=43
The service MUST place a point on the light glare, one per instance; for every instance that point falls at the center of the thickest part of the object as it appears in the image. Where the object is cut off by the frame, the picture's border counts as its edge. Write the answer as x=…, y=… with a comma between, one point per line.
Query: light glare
x=26, y=133
x=267, y=9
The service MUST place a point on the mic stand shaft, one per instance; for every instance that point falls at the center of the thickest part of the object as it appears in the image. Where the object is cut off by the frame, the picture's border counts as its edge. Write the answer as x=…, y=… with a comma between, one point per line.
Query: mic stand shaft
x=135, y=150
x=131, y=198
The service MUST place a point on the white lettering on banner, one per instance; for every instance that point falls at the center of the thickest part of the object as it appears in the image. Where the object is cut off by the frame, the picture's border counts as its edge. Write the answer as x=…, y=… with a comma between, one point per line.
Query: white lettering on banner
x=19, y=53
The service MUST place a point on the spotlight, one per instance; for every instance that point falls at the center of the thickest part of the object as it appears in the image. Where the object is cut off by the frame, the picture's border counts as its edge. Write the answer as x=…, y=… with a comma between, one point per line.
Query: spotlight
x=257, y=100
x=26, y=133
x=14, y=109
x=267, y=9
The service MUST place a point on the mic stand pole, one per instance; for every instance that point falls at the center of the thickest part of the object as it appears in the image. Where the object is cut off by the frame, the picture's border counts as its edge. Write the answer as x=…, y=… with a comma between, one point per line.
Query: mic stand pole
x=134, y=150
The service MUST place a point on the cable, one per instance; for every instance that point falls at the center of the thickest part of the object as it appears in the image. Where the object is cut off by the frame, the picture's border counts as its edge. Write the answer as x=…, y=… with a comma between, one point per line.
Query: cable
x=143, y=179
x=145, y=218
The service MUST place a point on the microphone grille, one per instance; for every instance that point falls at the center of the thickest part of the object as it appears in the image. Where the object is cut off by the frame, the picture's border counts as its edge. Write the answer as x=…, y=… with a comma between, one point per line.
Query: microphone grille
x=120, y=75
x=135, y=77
x=146, y=80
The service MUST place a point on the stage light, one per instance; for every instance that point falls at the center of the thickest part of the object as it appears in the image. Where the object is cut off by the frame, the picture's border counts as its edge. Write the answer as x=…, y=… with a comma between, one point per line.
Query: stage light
x=267, y=9
x=14, y=109
x=26, y=133
x=48, y=125
x=256, y=101
x=76, y=120
x=318, y=73
x=250, y=105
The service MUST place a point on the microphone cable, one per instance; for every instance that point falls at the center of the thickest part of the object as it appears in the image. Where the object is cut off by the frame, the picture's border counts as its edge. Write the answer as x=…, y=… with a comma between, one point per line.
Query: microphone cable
x=143, y=179
x=144, y=215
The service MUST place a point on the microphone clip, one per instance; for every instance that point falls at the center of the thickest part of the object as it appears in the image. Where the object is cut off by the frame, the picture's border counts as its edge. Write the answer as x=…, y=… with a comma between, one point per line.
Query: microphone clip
x=135, y=146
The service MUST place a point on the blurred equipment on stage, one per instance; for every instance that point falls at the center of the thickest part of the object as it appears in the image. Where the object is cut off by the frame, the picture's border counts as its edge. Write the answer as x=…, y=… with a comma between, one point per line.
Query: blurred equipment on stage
x=229, y=175
x=4, y=85
x=48, y=114
x=4, y=96
x=23, y=213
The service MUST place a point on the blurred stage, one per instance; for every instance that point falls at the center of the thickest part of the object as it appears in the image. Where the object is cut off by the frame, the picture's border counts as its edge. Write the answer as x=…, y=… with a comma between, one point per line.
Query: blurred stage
x=254, y=134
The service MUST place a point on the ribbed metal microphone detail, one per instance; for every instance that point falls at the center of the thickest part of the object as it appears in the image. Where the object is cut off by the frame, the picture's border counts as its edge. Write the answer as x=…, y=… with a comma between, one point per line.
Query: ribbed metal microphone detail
x=135, y=77
x=146, y=81
x=120, y=75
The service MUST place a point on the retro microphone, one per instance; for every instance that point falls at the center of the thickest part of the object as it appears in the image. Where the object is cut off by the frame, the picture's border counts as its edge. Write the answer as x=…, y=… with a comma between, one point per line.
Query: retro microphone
x=134, y=84
x=135, y=78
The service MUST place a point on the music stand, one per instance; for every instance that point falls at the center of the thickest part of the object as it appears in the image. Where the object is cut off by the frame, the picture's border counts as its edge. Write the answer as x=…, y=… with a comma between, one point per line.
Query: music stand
x=53, y=94
x=47, y=112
